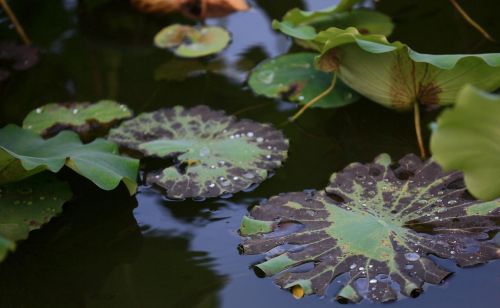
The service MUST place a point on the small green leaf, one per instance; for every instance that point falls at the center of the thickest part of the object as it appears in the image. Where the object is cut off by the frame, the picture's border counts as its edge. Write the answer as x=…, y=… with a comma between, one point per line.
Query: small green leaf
x=397, y=77
x=292, y=77
x=24, y=153
x=213, y=153
x=467, y=138
x=27, y=205
x=379, y=223
x=190, y=42
x=83, y=118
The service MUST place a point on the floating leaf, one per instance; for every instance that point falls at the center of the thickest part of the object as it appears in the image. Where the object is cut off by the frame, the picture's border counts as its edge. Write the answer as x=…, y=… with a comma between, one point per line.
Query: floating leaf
x=27, y=205
x=24, y=153
x=192, y=8
x=395, y=76
x=213, y=153
x=304, y=25
x=83, y=118
x=369, y=224
x=292, y=77
x=18, y=58
x=190, y=42
x=467, y=138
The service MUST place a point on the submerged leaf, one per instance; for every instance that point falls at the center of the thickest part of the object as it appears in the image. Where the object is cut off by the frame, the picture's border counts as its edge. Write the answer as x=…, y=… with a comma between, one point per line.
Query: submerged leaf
x=197, y=9
x=83, y=118
x=378, y=223
x=395, y=76
x=190, y=42
x=467, y=138
x=213, y=153
x=24, y=153
x=292, y=77
x=27, y=205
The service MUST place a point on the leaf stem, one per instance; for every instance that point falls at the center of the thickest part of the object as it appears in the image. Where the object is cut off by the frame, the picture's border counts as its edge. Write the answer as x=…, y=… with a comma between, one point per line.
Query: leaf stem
x=471, y=21
x=418, y=130
x=13, y=19
x=316, y=99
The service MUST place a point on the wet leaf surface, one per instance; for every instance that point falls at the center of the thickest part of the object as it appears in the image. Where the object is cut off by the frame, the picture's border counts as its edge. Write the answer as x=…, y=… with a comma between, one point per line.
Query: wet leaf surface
x=24, y=153
x=377, y=222
x=213, y=153
x=190, y=42
x=27, y=205
x=466, y=138
x=293, y=77
x=86, y=119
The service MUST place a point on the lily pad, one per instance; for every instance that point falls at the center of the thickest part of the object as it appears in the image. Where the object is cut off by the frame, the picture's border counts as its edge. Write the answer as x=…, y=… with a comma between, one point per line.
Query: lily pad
x=467, y=138
x=293, y=77
x=396, y=76
x=24, y=153
x=192, y=8
x=213, y=153
x=304, y=25
x=27, y=205
x=377, y=224
x=190, y=42
x=83, y=118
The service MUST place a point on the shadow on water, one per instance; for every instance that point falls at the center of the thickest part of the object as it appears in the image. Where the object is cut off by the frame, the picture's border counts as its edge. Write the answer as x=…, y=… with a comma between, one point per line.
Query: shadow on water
x=110, y=250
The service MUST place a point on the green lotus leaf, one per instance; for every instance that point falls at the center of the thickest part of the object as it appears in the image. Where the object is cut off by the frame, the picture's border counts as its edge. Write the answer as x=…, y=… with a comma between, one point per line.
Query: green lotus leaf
x=213, y=153
x=27, y=205
x=397, y=77
x=293, y=77
x=83, y=118
x=24, y=153
x=304, y=25
x=190, y=42
x=376, y=223
x=467, y=138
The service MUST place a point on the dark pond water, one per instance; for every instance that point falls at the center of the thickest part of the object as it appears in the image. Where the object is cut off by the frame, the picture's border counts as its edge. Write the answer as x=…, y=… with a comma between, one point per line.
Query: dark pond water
x=110, y=250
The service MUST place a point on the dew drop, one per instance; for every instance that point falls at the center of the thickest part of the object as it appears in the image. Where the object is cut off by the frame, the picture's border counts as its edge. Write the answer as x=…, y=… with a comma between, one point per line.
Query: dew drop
x=204, y=151
x=250, y=134
x=225, y=183
x=373, y=280
x=452, y=202
x=38, y=110
x=248, y=175
x=211, y=185
x=259, y=139
x=411, y=256
x=75, y=111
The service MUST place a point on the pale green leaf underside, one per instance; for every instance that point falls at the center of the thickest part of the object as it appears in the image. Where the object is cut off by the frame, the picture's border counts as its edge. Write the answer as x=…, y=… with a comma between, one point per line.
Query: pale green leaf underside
x=293, y=77
x=467, y=138
x=24, y=153
x=80, y=117
x=27, y=205
x=366, y=224
x=213, y=153
x=394, y=75
x=191, y=42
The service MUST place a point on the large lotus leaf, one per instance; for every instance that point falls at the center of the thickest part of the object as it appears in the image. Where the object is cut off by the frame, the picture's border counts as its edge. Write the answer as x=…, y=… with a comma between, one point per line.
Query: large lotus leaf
x=82, y=118
x=27, y=205
x=213, y=153
x=305, y=24
x=189, y=42
x=24, y=153
x=395, y=76
x=376, y=223
x=293, y=77
x=467, y=138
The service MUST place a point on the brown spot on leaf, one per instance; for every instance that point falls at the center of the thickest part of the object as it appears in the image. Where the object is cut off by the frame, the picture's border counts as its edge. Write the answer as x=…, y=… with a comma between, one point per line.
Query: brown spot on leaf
x=329, y=62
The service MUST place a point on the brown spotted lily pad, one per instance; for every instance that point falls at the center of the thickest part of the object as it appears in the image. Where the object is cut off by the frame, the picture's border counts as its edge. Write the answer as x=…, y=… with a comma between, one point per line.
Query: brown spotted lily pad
x=86, y=119
x=191, y=42
x=376, y=224
x=213, y=153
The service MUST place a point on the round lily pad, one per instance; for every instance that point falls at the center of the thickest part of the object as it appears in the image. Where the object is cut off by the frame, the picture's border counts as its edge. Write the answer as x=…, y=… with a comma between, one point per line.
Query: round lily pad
x=190, y=42
x=84, y=118
x=213, y=153
x=377, y=224
x=293, y=77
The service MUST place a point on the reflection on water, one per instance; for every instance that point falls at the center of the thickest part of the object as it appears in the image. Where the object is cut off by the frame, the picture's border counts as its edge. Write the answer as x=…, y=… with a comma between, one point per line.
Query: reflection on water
x=106, y=252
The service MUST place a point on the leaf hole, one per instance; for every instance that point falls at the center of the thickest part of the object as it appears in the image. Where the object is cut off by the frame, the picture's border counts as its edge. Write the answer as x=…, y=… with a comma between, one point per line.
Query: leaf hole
x=416, y=292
